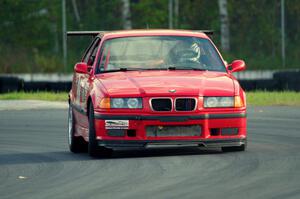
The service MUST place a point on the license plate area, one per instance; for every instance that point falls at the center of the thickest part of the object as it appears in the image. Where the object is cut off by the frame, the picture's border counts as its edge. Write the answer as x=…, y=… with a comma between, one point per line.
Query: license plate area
x=173, y=131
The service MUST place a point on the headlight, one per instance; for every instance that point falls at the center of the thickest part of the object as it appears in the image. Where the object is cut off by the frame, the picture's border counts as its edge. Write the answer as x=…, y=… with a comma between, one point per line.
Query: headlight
x=212, y=102
x=117, y=103
x=133, y=103
x=126, y=103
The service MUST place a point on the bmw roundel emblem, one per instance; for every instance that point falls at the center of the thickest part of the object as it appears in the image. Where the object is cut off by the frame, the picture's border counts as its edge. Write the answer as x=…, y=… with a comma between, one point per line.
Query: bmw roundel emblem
x=172, y=90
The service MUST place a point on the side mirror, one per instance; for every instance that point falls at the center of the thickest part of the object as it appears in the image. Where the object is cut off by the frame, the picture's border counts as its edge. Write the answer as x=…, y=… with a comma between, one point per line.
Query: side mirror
x=236, y=66
x=81, y=67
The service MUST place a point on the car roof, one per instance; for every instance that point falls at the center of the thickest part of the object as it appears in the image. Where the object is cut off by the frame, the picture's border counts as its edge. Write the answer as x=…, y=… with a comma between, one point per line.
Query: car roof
x=152, y=32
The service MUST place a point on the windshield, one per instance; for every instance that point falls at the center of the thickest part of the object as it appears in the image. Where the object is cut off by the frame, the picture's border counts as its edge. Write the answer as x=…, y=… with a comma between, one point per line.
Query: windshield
x=159, y=53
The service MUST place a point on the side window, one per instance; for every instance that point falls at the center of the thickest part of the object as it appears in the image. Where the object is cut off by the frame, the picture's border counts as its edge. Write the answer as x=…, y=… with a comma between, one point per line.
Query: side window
x=92, y=57
x=90, y=50
x=102, y=59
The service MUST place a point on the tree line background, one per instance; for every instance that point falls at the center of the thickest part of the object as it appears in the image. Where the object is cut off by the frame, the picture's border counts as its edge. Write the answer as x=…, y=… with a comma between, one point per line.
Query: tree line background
x=31, y=30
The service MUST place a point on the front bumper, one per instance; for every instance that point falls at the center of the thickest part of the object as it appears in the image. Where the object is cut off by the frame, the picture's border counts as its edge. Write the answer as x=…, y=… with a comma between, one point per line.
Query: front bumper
x=210, y=134
x=213, y=143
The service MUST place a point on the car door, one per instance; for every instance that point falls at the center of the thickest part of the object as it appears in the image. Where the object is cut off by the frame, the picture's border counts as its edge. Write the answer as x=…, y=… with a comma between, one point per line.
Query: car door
x=81, y=88
x=81, y=85
x=86, y=81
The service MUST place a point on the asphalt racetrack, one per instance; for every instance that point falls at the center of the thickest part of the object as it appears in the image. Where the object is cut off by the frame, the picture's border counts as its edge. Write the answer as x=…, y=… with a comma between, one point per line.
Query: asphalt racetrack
x=35, y=162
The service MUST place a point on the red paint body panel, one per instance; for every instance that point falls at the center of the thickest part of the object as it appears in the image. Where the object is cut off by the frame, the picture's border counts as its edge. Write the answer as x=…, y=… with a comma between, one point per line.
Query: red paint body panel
x=91, y=88
x=138, y=33
x=157, y=83
x=206, y=124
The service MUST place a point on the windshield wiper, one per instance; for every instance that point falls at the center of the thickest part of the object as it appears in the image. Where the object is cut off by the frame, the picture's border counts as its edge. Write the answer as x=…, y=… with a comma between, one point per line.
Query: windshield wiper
x=171, y=67
x=131, y=69
x=186, y=68
x=116, y=70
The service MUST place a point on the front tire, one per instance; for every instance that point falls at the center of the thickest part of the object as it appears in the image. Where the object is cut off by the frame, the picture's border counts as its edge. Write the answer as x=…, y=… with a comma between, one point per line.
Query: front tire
x=76, y=144
x=93, y=149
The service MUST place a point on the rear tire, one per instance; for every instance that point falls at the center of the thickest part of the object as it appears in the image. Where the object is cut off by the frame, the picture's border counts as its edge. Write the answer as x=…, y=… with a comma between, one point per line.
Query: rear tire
x=76, y=144
x=93, y=149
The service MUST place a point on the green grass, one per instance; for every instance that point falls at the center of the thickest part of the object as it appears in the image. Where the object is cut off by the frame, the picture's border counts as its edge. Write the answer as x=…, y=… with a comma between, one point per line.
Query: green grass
x=254, y=98
x=47, y=96
x=265, y=98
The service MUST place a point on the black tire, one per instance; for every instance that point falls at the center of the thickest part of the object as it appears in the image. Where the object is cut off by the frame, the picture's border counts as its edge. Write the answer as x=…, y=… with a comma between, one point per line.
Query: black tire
x=76, y=144
x=93, y=149
x=243, y=147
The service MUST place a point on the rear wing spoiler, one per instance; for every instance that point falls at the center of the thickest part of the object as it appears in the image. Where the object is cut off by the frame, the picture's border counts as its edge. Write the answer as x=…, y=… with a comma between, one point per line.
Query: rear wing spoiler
x=95, y=33
x=85, y=33
x=207, y=32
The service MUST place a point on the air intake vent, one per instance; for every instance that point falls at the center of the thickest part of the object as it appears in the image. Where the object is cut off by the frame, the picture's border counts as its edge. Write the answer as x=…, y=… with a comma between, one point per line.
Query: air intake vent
x=161, y=104
x=185, y=104
x=168, y=131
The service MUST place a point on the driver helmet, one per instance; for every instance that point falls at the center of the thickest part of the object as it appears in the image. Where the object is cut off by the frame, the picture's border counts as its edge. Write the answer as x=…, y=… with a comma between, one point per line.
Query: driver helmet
x=190, y=53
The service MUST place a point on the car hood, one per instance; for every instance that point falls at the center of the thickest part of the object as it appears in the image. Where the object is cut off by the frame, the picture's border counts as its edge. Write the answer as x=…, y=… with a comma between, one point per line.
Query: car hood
x=162, y=83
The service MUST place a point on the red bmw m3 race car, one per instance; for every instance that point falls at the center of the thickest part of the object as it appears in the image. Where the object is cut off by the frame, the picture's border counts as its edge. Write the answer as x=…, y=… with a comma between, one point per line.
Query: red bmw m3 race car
x=147, y=88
